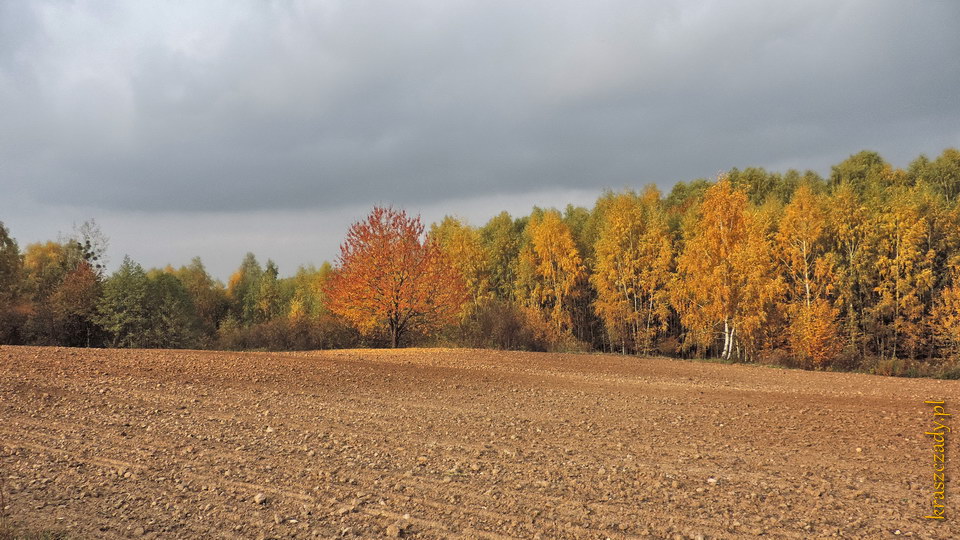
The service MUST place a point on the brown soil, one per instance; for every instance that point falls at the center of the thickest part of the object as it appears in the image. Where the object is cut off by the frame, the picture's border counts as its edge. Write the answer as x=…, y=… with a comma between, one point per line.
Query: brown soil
x=434, y=443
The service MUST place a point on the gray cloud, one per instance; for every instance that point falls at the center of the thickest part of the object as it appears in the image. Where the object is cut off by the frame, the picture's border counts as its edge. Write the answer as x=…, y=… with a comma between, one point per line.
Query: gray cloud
x=199, y=108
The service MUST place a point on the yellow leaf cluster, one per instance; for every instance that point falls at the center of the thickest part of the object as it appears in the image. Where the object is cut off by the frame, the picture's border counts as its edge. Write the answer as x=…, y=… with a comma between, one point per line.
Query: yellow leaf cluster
x=632, y=260
x=725, y=279
x=550, y=269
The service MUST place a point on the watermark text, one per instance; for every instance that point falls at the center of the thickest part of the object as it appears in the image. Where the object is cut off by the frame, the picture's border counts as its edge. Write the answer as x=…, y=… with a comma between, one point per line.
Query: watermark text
x=938, y=434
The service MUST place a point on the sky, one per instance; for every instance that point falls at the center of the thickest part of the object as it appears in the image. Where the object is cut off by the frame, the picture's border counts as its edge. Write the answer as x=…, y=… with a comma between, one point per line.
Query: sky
x=217, y=128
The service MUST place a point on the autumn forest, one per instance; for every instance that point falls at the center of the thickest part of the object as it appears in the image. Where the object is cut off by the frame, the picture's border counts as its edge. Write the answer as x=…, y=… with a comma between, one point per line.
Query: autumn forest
x=856, y=271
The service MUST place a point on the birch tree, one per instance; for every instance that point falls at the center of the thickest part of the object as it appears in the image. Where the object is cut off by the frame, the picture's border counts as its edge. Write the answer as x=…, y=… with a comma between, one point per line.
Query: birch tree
x=633, y=256
x=802, y=248
x=725, y=280
x=550, y=269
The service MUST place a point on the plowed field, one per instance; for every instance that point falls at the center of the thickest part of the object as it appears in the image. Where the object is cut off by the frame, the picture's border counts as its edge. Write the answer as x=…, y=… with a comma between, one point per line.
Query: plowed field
x=431, y=443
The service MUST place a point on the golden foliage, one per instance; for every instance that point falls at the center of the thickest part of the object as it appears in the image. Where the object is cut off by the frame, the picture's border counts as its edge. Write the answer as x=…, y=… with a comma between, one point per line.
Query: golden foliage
x=550, y=269
x=802, y=245
x=462, y=245
x=389, y=277
x=633, y=255
x=901, y=272
x=814, y=337
x=808, y=268
x=946, y=316
x=725, y=280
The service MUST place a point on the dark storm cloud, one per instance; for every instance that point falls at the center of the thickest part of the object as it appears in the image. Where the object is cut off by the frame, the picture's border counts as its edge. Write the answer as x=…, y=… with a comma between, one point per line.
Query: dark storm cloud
x=286, y=105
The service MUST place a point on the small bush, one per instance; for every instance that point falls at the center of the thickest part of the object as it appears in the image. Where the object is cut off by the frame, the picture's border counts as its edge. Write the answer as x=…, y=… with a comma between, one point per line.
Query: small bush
x=889, y=367
x=326, y=332
x=777, y=357
x=669, y=346
x=942, y=368
x=848, y=360
x=12, y=323
x=499, y=324
x=901, y=367
x=950, y=372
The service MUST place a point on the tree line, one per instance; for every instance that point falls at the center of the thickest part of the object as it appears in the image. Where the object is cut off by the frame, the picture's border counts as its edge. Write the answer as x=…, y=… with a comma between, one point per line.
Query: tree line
x=858, y=270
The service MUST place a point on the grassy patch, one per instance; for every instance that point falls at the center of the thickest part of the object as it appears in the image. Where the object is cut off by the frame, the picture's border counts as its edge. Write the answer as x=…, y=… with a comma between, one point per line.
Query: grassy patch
x=8, y=531
x=12, y=531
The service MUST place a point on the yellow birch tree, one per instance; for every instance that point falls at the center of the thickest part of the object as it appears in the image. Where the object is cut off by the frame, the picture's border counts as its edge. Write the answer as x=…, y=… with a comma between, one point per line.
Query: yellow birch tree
x=464, y=248
x=725, y=280
x=632, y=260
x=802, y=249
x=550, y=269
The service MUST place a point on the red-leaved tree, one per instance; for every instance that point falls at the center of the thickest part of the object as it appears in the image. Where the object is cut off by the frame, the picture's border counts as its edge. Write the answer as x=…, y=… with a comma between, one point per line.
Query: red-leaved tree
x=389, y=276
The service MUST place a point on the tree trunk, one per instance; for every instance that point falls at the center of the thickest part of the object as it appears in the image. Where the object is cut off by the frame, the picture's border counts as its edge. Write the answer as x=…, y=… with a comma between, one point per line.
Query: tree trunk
x=394, y=335
x=727, y=346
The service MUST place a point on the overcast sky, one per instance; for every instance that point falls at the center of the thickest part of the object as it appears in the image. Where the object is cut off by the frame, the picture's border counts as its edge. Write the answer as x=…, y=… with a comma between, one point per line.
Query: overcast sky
x=216, y=128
